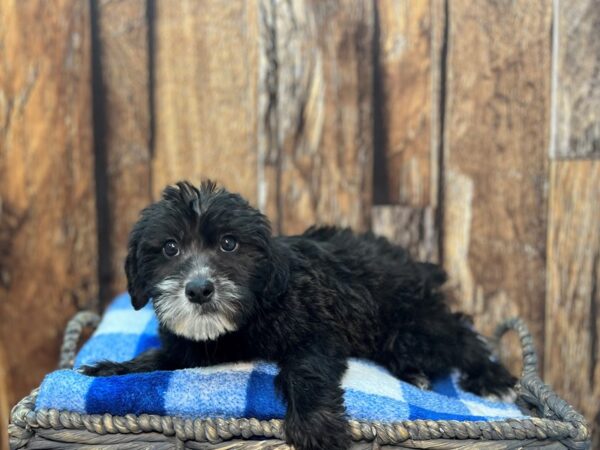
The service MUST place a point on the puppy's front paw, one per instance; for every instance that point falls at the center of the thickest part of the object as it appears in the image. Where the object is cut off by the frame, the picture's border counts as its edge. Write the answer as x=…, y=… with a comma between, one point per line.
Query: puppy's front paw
x=418, y=379
x=103, y=369
x=317, y=430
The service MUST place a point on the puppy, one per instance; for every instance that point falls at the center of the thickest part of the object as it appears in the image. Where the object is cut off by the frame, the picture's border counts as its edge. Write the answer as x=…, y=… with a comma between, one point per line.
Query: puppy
x=225, y=289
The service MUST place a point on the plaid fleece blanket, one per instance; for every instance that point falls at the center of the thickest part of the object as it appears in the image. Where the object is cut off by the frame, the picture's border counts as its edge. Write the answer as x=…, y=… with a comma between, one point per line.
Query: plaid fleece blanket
x=237, y=390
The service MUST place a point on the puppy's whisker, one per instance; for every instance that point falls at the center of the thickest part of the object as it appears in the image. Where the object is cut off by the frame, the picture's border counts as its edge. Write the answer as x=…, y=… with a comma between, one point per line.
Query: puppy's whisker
x=169, y=285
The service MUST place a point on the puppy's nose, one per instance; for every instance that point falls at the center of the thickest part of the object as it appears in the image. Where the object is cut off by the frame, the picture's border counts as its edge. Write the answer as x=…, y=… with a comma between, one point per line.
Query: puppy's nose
x=199, y=290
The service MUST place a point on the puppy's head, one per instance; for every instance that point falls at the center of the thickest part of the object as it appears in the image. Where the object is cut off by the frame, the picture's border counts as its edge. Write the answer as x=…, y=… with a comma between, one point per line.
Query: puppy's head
x=206, y=258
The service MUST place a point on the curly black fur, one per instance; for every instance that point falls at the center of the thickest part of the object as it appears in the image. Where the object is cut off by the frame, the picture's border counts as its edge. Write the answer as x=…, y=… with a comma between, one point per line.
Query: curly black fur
x=307, y=302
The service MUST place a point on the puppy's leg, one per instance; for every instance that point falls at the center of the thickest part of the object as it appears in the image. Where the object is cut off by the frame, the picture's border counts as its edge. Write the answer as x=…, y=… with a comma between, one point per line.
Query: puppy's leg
x=490, y=380
x=145, y=362
x=311, y=386
x=417, y=354
x=480, y=374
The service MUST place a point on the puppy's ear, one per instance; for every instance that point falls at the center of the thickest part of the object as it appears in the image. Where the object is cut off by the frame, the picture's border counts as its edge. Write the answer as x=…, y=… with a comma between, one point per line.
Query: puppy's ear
x=135, y=285
x=279, y=269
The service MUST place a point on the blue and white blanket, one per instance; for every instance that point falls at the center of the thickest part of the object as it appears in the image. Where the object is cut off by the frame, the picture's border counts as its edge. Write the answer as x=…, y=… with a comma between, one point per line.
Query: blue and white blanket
x=236, y=390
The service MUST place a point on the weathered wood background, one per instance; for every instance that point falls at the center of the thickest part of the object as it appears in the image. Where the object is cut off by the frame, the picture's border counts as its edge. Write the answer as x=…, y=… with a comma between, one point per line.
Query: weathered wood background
x=467, y=131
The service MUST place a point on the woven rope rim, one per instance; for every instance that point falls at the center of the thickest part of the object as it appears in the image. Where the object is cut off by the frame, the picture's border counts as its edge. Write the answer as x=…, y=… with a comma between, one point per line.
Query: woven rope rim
x=558, y=421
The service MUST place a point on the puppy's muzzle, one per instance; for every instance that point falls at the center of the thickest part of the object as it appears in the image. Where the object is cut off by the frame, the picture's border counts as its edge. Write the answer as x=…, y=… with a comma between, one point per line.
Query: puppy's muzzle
x=199, y=290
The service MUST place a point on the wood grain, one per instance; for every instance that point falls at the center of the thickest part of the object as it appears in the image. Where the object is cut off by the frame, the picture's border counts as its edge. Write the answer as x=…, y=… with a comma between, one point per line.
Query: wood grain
x=123, y=131
x=573, y=295
x=405, y=58
x=320, y=112
x=4, y=408
x=268, y=176
x=47, y=208
x=496, y=139
x=412, y=228
x=206, y=69
x=576, y=90
x=406, y=94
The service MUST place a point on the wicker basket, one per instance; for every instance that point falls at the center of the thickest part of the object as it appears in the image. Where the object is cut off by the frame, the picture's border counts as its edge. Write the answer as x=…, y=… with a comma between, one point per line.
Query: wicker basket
x=554, y=423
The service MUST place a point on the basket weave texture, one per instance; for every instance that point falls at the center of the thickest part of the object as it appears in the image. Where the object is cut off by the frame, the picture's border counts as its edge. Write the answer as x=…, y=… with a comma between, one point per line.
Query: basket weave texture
x=554, y=423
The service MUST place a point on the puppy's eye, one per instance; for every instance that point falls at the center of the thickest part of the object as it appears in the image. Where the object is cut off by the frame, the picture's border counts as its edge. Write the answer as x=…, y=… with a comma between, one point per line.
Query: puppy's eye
x=228, y=244
x=170, y=249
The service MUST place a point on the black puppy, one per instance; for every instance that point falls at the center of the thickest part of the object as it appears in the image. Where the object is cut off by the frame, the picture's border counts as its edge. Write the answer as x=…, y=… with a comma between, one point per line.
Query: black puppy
x=225, y=289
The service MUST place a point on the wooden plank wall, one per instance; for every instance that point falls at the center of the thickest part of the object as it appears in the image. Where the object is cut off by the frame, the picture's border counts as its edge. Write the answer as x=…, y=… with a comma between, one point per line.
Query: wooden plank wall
x=319, y=117
x=205, y=71
x=406, y=160
x=573, y=256
x=123, y=131
x=495, y=158
x=48, y=236
x=466, y=132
